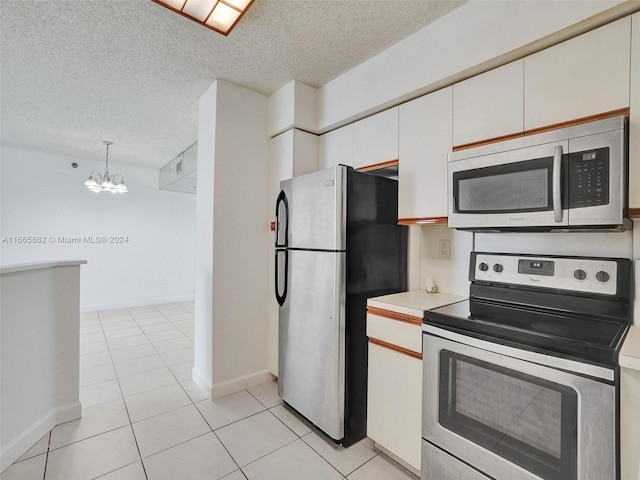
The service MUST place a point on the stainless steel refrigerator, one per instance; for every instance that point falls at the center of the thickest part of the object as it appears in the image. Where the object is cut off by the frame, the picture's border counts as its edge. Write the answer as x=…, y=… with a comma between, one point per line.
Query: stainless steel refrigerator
x=337, y=243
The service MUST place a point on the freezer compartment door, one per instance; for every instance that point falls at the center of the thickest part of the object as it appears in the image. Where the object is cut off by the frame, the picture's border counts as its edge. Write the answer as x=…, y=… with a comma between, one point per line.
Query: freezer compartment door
x=311, y=346
x=316, y=210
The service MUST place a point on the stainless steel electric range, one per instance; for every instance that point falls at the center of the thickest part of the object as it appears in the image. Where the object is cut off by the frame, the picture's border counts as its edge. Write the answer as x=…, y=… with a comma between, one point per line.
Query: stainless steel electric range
x=521, y=381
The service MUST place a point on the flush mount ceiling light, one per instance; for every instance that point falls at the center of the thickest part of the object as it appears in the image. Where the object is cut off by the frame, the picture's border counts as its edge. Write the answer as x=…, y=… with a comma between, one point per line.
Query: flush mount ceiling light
x=218, y=15
x=106, y=182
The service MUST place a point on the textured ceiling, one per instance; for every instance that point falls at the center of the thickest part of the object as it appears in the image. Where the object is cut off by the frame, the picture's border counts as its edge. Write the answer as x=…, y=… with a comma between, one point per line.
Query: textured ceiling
x=76, y=72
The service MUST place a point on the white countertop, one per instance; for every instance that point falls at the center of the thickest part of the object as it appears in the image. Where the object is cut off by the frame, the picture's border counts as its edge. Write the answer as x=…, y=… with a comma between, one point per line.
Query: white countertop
x=630, y=352
x=23, y=267
x=413, y=303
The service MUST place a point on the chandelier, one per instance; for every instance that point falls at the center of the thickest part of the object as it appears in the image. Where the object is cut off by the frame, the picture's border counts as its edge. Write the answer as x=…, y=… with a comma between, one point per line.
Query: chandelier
x=106, y=182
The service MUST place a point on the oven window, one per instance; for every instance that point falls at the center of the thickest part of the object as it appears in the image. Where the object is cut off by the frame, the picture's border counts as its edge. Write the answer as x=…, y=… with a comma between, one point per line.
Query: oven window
x=527, y=420
x=510, y=188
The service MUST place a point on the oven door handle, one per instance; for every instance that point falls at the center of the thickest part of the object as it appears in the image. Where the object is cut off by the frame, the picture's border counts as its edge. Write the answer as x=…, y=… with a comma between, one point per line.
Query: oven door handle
x=557, y=192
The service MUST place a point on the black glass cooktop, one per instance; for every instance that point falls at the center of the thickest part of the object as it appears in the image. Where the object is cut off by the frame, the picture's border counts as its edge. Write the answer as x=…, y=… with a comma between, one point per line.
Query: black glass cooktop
x=594, y=339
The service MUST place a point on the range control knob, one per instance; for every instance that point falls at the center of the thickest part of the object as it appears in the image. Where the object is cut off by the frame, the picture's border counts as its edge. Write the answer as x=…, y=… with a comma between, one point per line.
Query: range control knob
x=498, y=268
x=483, y=267
x=602, y=276
x=579, y=274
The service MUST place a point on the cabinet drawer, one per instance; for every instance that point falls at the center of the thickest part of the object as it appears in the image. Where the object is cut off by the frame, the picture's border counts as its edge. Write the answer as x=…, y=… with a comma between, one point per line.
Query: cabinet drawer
x=404, y=331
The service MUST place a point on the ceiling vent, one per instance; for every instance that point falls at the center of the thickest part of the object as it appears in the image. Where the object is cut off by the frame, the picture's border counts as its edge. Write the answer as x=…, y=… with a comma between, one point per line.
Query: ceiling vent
x=180, y=174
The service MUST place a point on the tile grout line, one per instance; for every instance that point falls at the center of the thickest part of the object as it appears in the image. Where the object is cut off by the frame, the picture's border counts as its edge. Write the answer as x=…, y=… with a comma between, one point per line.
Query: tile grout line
x=178, y=382
x=99, y=319
x=126, y=407
x=298, y=437
x=361, y=466
x=46, y=460
x=193, y=403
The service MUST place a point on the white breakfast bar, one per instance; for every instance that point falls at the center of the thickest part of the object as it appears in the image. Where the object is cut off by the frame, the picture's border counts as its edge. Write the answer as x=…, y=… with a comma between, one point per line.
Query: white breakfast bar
x=39, y=352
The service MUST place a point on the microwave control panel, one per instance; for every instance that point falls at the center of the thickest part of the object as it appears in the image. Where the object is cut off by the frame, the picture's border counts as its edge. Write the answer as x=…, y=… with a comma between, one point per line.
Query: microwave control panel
x=589, y=178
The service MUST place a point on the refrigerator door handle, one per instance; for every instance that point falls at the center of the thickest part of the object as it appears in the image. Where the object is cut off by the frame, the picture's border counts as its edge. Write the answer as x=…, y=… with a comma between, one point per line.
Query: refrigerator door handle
x=281, y=296
x=282, y=220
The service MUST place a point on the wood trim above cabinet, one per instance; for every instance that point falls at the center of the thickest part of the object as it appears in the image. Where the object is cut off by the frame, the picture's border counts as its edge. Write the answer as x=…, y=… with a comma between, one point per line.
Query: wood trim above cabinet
x=395, y=348
x=570, y=123
x=424, y=221
x=379, y=166
x=390, y=314
x=634, y=213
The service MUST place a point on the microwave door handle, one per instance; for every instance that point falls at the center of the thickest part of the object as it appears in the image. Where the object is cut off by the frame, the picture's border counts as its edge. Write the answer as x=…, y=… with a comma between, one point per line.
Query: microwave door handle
x=557, y=197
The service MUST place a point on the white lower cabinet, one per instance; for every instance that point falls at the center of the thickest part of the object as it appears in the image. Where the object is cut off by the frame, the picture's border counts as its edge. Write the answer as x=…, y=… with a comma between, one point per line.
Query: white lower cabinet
x=394, y=402
x=394, y=397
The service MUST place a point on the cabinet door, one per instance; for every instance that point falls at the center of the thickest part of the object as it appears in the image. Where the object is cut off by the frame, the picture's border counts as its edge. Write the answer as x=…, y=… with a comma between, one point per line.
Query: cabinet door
x=584, y=76
x=425, y=142
x=634, y=120
x=375, y=139
x=336, y=147
x=489, y=105
x=394, y=402
x=305, y=153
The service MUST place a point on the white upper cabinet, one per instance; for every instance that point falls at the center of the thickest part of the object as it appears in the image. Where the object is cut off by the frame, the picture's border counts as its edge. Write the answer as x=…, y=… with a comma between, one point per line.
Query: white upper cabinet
x=375, y=139
x=584, y=76
x=336, y=147
x=425, y=140
x=293, y=153
x=366, y=142
x=634, y=120
x=489, y=105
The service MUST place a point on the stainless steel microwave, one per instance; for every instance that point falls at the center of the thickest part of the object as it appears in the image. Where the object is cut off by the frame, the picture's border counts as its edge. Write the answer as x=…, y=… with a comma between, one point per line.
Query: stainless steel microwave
x=569, y=178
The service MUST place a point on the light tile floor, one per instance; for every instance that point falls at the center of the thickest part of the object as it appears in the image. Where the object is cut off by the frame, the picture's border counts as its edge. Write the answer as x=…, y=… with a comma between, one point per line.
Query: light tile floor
x=144, y=418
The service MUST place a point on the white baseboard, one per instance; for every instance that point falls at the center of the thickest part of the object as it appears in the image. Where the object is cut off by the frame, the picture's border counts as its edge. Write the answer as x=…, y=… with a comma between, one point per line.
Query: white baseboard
x=17, y=447
x=240, y=383
x=200, y=380
x=136, y=303
x=68, y=413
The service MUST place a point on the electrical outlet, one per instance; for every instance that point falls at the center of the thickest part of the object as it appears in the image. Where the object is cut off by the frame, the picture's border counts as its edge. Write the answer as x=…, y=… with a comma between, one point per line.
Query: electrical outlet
x=444, y=251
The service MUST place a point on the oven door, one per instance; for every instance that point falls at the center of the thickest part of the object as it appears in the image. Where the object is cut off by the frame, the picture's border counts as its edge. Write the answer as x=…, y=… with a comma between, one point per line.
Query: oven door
x=513, y=189
x=512, y=419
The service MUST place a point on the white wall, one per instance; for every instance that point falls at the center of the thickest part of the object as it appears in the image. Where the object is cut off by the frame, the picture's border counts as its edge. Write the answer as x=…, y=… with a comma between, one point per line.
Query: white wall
x=232, y=284
x=203, y=314
x=42, y=195
x=451, y=276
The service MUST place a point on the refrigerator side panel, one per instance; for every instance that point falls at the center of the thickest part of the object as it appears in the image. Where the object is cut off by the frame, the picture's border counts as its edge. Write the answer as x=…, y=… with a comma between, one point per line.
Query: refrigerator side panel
x=376, y=244
x=376, y=265
x=317, y=210
x=311, y=347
